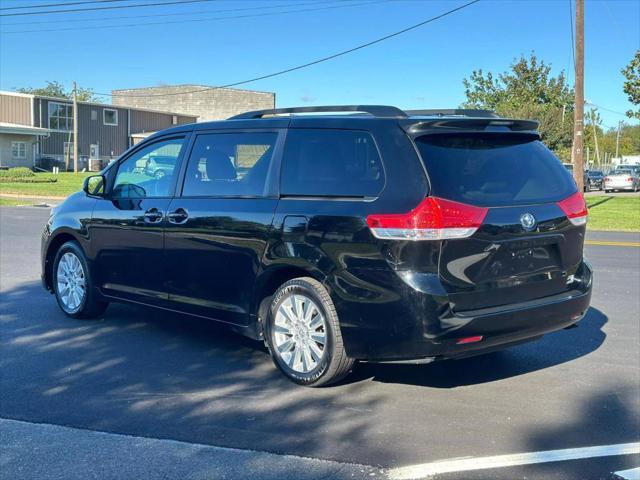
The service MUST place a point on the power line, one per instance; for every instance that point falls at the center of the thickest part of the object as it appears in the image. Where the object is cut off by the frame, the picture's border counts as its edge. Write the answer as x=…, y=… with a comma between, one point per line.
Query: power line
x=617, y=27
x=113, y=7
x=308, y=64
x=66, y=4
x=206, y=19
x=172, y=14
x=605, y=109
x=573, y=48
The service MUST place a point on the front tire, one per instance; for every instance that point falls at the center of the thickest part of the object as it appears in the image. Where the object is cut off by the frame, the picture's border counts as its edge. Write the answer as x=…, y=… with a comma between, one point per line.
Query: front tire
x=72, y=283
x=302, y=332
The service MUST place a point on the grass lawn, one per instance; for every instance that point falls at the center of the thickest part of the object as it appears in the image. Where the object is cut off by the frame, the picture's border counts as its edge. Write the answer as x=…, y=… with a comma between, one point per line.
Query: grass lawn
x=614, y=213
x=67, y=184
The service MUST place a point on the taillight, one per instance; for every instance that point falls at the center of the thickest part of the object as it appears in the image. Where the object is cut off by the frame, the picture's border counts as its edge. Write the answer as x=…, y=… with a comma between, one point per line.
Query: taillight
x=607, y=179
x=629, y=179
x=575, y=208
x=433, y=219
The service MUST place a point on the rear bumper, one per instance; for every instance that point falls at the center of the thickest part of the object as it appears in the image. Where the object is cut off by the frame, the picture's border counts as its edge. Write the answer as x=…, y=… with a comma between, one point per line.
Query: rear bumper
x=511, y=327
x=424, y=330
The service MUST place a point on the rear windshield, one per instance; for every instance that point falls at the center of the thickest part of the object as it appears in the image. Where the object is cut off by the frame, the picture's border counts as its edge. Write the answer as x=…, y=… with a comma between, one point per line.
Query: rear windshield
x=494, y=169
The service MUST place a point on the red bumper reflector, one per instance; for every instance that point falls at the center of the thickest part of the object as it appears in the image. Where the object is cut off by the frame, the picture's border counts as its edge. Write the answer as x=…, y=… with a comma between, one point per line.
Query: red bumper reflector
x=475, y=339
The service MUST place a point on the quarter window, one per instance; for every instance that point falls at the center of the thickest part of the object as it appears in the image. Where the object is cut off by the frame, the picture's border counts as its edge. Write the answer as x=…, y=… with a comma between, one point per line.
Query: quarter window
x=110, y=116
x=60, y=116
x=149, y=172
x=18, y=150
x=229, y=164
x=337, y=163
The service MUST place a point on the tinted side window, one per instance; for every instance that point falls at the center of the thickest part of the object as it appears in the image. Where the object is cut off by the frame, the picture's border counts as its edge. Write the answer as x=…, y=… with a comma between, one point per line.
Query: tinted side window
x=149, y=172
x=494, y=170
x=331, y=163
x=229, y=164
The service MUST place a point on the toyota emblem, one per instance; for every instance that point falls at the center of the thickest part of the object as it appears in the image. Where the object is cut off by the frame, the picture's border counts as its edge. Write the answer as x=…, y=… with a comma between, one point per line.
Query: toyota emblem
x=528, y=221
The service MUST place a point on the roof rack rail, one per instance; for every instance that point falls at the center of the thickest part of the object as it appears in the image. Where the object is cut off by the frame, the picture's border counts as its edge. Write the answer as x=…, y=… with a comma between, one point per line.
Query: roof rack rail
x=382, y=111
x=455, y=112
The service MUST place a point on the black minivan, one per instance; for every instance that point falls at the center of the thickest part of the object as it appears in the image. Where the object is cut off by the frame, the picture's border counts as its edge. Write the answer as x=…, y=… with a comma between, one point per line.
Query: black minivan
x=334, y=234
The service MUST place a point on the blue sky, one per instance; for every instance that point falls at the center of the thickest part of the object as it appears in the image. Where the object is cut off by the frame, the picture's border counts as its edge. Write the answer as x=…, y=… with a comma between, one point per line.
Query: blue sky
x=423, y=68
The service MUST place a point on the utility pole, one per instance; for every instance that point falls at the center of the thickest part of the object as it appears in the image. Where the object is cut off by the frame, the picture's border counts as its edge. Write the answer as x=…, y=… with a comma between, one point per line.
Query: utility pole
x=578, y=129
x=75, y=128
x=618, y=139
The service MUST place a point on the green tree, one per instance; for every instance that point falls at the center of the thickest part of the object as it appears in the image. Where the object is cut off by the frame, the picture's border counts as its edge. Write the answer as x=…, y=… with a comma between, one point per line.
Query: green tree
x=629, y=140
x=56, y=89
x=632, y=83
x=527, y=90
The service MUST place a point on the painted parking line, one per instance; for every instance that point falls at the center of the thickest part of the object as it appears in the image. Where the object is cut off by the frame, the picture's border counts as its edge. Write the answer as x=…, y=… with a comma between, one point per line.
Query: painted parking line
x=425, y=470
x=612, y=244
x=632, y=474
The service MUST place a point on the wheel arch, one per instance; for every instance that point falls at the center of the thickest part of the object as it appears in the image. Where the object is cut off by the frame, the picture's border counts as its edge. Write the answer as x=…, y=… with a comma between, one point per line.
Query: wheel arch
x=267, y=284
x=54, y=245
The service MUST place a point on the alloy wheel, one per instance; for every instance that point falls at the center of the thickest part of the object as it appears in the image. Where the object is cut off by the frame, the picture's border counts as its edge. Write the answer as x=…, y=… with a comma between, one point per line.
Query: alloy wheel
x=300, y=333
x=71, y=282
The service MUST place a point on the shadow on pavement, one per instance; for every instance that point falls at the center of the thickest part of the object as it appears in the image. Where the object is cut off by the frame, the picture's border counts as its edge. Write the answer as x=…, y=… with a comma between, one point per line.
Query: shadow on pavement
x=145, y=372
x=616, y=410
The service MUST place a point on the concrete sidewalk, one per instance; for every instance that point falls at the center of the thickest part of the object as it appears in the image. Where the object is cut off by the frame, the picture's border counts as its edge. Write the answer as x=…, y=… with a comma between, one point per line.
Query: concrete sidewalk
x=32, y=450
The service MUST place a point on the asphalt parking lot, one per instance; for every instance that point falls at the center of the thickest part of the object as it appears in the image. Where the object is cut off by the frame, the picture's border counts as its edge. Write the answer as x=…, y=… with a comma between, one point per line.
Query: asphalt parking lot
x=151, y=376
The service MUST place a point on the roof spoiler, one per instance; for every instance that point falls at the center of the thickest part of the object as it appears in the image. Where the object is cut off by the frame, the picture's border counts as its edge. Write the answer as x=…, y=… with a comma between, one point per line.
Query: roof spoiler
x=454, y=112
x=466, y=124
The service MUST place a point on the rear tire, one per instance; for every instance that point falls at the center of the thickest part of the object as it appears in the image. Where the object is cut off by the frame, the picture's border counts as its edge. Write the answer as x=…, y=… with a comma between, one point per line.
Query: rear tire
x=72, y=285
x=302, y=332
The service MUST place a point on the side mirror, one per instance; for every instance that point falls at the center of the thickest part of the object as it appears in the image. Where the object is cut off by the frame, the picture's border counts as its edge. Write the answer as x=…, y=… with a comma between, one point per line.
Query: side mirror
x=94, y=185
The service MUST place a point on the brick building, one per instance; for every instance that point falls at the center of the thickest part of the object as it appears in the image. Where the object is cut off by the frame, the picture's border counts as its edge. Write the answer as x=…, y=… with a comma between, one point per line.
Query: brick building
x=205, y=102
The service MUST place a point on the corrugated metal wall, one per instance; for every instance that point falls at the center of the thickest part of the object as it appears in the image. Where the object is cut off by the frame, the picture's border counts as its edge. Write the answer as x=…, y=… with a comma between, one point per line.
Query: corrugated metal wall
x=15, y=109
x=143, y=122
x=112, y=140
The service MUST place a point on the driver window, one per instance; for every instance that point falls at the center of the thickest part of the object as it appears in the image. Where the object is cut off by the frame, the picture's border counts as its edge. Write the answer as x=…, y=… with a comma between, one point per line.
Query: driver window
x=149, y=172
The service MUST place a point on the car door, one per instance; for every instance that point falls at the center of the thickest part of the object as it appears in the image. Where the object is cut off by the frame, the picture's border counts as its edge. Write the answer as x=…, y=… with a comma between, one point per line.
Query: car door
x=218, y=228
x=127, y=226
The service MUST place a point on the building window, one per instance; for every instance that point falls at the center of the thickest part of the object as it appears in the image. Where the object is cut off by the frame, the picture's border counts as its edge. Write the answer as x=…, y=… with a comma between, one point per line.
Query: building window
x=110, y=116
x=18, y=150
x=60, y=116
x=174, y=120
x=94, y=115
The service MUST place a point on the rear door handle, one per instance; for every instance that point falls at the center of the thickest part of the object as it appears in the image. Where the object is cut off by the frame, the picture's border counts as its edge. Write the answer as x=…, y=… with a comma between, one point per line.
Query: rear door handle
x=153, y=215
x=178, y=216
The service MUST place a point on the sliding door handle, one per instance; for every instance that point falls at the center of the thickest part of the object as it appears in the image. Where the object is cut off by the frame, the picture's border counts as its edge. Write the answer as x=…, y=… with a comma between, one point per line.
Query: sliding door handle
x=178, y=216
x=153, y=215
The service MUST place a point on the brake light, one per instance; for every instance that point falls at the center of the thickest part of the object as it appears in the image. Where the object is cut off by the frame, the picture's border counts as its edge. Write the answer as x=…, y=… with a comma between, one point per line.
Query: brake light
x=433, y=219
x=607, y=179
x=629, y=179
x=575, y=208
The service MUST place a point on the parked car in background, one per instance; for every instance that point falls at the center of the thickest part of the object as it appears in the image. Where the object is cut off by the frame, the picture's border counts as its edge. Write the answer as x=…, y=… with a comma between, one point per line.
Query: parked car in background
x=594, y=180
x=381, y=236
x=622, y=179
x=585, y=177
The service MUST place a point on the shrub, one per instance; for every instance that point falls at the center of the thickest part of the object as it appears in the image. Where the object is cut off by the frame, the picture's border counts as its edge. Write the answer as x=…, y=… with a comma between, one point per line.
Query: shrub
x=17, y=172
x=34, y=179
